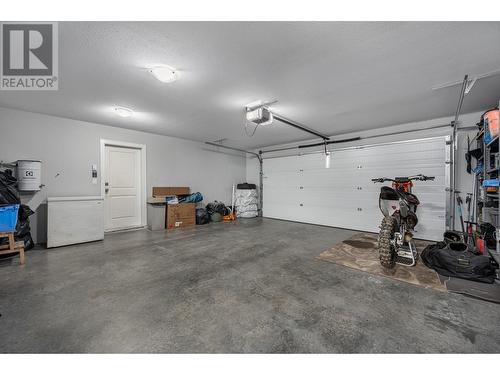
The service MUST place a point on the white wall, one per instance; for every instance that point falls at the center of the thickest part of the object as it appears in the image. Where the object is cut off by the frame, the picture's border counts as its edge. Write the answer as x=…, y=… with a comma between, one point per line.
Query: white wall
x=463, y=180
x=68, y=148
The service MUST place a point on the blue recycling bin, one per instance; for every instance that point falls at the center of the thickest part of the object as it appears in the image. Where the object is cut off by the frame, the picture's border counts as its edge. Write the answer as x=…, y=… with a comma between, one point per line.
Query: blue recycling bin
x=8, y=217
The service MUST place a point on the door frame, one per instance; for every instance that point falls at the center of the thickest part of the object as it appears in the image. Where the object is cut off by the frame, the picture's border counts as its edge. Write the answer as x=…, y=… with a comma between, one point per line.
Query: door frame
x=102, y=160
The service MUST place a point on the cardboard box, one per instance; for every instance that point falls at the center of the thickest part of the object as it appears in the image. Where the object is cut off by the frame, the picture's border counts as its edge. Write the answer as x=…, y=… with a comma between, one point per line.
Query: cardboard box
x=180, y=215
x=158, y=200
x=163, y=191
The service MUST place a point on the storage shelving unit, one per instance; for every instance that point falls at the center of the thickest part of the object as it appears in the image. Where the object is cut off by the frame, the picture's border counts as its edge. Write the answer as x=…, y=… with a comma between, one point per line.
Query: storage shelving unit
x=489, y=200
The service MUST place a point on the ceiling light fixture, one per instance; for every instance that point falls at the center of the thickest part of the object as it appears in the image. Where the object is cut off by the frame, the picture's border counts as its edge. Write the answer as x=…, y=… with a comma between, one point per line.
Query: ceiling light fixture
x=327, y=159
x=164, y=74
x=123, y=112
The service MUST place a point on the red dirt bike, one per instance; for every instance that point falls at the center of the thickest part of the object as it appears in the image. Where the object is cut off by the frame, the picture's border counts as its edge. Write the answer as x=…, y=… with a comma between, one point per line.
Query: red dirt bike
x=399, y=207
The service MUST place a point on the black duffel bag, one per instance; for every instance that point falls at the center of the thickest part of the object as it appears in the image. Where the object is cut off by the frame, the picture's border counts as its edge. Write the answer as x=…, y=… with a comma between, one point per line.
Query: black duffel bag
x=456, y=259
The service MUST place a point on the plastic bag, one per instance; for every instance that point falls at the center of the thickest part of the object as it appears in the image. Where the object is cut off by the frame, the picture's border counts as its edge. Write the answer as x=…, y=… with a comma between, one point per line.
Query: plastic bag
x=217, y=207
x=202, y=216
x=10, y=195
x=247, y=208
x=246, y=203
x=193, y=198
x=8, y=191
x=248, y=214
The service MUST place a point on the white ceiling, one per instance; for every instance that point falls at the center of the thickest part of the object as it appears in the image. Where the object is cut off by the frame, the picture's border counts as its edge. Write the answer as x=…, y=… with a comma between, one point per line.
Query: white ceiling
x=334, y=77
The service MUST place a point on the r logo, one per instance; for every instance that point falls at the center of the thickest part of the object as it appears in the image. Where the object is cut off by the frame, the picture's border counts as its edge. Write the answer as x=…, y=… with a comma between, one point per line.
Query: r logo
x=29, y=56
x=27, y=49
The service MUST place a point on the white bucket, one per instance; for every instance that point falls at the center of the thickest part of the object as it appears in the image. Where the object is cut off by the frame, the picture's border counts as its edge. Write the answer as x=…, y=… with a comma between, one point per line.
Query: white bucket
x=29, y=175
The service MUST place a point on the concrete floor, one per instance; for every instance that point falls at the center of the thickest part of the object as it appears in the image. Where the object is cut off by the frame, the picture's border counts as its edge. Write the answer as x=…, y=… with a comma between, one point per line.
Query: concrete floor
x=251, y=286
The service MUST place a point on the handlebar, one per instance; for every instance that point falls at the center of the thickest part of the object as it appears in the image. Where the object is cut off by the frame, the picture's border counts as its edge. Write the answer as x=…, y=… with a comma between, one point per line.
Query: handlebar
x=419, y=177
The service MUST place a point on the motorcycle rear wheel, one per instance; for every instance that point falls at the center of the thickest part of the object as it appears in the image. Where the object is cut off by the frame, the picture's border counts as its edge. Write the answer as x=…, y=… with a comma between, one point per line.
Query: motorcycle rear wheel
x=386, y=251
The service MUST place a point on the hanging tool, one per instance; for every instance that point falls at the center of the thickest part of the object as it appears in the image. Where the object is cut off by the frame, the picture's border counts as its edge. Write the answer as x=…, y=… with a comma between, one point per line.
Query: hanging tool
x=468, y=157
x=470, y=233
x=459, y=208
x=473, y=220
x=468, y=203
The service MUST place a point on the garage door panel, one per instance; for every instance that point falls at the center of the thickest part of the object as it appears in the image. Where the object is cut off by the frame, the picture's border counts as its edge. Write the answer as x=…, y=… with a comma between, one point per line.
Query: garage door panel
x=391, y=156
x=341, y=217
x=302, y=189
x=284, y=164
x=282, y=196
x=281, y=211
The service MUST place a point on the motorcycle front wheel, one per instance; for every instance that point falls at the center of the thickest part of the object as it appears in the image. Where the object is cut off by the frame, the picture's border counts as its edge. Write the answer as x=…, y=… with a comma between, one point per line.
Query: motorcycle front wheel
x=386, y=251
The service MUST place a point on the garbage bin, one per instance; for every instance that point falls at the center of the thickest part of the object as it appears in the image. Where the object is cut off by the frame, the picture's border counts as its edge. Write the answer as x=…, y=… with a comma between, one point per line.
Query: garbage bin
x=156, y=215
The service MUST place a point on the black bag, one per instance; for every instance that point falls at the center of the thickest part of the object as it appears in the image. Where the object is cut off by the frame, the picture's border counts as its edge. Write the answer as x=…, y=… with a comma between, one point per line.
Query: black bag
x=488, y=232
x=10, y=195
x=452, y=236
x=456, y=259
x=217, y=207
x=24, y=212
x=202, y=216
x=8, y=190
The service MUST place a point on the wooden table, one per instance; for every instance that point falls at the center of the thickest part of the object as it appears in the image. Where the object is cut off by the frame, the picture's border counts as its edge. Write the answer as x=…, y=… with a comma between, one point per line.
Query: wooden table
x=12, y=247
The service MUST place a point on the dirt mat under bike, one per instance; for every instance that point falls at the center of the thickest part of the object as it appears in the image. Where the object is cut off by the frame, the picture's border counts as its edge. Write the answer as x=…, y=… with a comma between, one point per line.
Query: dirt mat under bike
x=360, y=252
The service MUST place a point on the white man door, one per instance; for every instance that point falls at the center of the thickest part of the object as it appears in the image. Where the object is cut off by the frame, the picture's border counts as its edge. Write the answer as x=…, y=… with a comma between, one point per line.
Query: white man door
x=122, y=188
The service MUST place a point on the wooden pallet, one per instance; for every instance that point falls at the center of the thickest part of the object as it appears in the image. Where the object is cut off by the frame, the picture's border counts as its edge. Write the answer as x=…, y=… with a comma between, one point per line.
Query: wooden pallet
x=12, y=247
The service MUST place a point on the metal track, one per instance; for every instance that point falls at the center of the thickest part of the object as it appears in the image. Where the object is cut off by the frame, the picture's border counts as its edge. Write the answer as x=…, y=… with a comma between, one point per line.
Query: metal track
x=296, y=125
x=447, y=125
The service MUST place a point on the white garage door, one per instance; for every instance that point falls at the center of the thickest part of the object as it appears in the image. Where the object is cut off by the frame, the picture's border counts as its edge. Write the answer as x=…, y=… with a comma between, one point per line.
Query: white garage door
x=303, y=189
